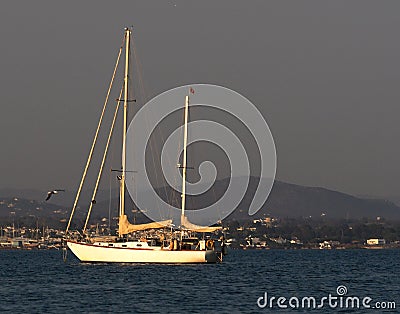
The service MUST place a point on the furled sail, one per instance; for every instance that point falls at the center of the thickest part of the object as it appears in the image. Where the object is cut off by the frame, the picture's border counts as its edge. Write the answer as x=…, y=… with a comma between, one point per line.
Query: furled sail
x=125, y=227
x=187, y=224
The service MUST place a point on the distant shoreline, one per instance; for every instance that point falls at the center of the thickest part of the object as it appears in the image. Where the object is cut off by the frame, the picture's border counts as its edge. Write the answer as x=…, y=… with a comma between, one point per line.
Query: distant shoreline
x=363, y=247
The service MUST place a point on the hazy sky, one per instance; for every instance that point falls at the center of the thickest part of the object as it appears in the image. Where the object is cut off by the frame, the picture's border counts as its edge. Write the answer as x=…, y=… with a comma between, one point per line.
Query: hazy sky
x=324, y=73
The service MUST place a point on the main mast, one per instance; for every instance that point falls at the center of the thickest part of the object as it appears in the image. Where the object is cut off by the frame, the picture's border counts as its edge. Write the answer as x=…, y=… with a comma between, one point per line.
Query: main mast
x=126, y=95
x=185, y=136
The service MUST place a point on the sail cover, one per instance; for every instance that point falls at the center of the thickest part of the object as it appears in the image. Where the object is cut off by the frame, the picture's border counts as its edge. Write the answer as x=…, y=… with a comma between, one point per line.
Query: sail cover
x=187, y=224
x=125, y=227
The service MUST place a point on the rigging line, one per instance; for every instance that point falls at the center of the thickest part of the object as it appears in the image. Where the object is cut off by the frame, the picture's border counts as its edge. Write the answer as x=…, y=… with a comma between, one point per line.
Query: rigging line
x=113, y=193
x=176, y=197
x=109, y=203
x=94, y=139
x=215, y=198
x=142, y=89
x=102, y=163
x=169, y=195
x=110, y=193
x=152, y=145
x=139, y=70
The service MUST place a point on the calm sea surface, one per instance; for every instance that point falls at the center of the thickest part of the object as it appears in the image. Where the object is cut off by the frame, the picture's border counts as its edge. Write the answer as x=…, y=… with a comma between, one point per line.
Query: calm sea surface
x=39, y=282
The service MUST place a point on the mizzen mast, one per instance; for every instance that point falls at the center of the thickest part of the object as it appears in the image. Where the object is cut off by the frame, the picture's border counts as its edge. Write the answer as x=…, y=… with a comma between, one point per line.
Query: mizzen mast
x=184, y=166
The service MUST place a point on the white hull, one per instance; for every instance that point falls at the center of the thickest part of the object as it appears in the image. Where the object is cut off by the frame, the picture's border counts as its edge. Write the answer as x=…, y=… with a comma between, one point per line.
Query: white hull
x=86, y=252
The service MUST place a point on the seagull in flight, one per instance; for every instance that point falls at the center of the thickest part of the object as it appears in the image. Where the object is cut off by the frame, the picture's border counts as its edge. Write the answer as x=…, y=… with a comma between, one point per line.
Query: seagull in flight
x=50, y=193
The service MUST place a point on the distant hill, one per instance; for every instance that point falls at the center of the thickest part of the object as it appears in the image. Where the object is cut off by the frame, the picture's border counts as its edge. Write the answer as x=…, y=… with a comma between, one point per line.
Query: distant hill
x=285, y=200
x=65, y=199
x=25, y=212
x=291, y=200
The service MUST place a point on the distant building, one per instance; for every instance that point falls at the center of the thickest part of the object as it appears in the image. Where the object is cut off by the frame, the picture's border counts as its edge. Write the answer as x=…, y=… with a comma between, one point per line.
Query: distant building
x=4, y=242
x=327, y=245
x=18, y=242
x=279, y=240
x=376, y=241
x=296, y=241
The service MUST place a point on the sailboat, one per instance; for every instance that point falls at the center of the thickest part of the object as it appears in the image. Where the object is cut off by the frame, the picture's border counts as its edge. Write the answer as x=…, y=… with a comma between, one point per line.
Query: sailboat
x=171, y=246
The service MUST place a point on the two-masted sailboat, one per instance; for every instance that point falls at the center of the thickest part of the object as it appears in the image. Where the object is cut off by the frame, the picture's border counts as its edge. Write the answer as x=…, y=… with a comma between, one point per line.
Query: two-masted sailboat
x=171, y=246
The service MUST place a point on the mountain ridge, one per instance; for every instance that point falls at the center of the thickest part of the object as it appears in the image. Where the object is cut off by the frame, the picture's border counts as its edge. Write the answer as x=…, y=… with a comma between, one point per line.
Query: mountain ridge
x=285, y=200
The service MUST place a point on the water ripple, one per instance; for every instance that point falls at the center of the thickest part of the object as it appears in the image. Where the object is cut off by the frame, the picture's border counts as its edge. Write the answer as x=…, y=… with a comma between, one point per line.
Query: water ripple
x=39, y=281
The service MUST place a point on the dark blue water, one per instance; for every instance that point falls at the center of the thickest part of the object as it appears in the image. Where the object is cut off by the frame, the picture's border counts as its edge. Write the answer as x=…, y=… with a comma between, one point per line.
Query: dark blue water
x=39, y=282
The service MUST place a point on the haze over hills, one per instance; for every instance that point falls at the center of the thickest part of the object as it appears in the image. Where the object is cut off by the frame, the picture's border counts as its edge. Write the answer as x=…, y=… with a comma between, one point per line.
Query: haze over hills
x=291, y=200
x=294, y=201
x=285, y=200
